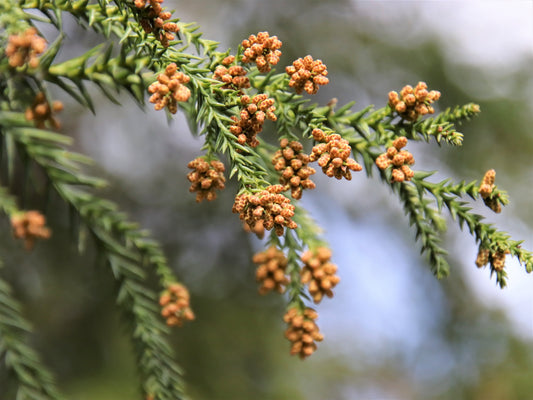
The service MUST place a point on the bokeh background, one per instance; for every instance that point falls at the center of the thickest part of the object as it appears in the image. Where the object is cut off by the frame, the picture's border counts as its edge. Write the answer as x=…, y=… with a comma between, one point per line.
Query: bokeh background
x=392, y=330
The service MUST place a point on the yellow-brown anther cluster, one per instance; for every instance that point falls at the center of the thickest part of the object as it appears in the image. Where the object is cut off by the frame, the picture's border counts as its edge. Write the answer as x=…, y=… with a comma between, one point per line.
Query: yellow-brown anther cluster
x=41, y=112
x=307, y=74
x=25, y=48
x=319, y=273
x=302, y=332
x=411, y=103
x=206, y=177
x=293, y=165
x=496, y=259
x=333, y=155
x=29, y=226
x=271, y=271
x=152, y=20
x=258, y=229
x=262, y=49
x=399, y=159
x=485, y=190
x=234, y=76
x=269, y=206
x=252, y=118
x=169, y=89
x=175, y=303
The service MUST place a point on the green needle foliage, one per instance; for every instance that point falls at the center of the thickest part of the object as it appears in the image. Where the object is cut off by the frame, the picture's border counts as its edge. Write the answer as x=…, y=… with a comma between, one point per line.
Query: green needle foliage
x=226, y=99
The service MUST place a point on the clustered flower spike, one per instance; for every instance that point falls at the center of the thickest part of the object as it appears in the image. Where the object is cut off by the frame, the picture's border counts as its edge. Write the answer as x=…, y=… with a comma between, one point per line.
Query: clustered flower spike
x=399, y=159
x=41, y=112
x=486, y=191
x=252, y=117
x=152, y=20
x=411, y=103
x=292, y=162
x=25, y=48
x=496, y=258
x=169, y=89
x=29, y=226
x=234, y=76
x=307, y=74
x=175, y=303
x=269, y=206
x=319, y=273
x=261, y=49
x=333, y=155
x=302, y=332
x=206, y=177
x=271, y=271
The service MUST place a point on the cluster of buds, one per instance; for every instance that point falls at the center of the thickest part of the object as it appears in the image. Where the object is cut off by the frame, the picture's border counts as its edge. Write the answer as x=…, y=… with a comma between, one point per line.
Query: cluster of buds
x=29, y=226
x=41, y=112
x=206, y=178
x=252, y=117
x=258, y=229
x=175, y=303
x=333, y=155
x=302, y=332
x=25, y=48
x=269, y=206
x=263, y=50
x=271, y=270
x=292, y=163
x=411, y=103
x=234, y=76
x=486, y=189
x=169, y=89
x=307, y=74
x=152, y=19
x=399, y=159
x=319, y=273
x=496, y=259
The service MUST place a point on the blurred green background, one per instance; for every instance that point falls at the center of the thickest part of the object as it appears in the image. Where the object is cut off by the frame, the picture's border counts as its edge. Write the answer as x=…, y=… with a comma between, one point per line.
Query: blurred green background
x=392, y=330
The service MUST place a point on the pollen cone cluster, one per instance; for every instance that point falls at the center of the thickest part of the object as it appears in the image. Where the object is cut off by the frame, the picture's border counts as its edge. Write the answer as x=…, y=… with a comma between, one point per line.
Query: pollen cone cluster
x=302, y=332
x=486, y=191
x=333, y=155
x=234, y=76
x=263, y=50
x=175, y=303
x=269, y=206
x=399, y=159
x=41, y=112
x=496, y=259
x=319, y=273
x=292, y=163
x=206, y=177
x=307, y=74
x=25, y=48
x=29, y=226
x=411, y=103
x=152, y=20
x=252, y=117
x=169, y=89
x=271, y=270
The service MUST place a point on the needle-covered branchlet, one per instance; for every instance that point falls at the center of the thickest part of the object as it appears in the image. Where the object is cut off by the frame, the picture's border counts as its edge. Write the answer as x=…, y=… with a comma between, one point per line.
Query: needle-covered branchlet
x=25, y=48
x=307, y=74
x=169, y=89
x=302, y=332
x=412, y=103
x=175, y=303
x=333, y=155
x=292, y=163
x=271, y=270
x=206, y=178
x=234, y=76
x=42, y=112
x=399, y=159
x=262, y=49
x=269, y=206
x=496, y=258
x=152, y=19
x=29, y=226
x=253, y=114
x=319, y=273
x=486, y=190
